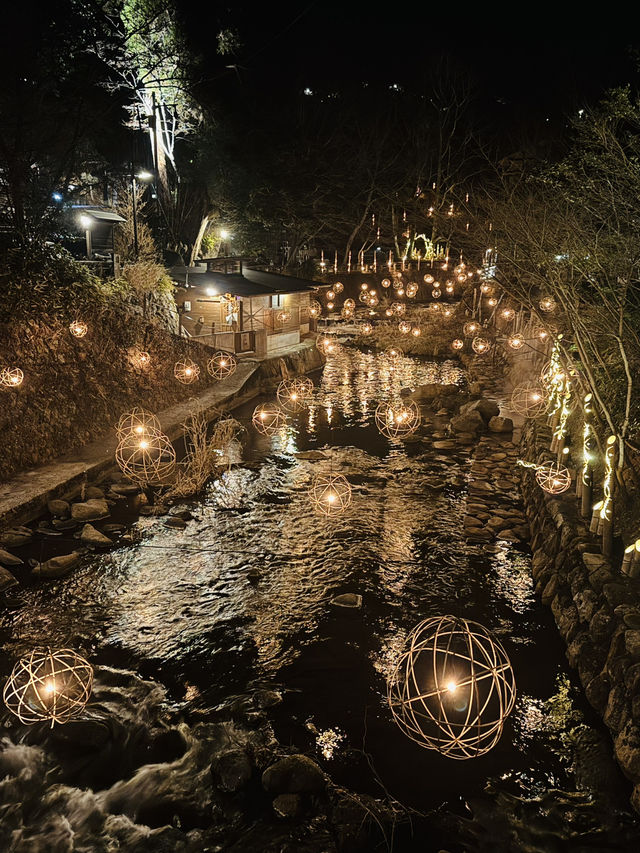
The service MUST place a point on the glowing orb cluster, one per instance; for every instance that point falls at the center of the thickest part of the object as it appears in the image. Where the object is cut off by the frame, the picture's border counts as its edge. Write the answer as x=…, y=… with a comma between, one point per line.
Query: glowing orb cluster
x=453, y=687
x=49, y=685
x=547, y=304
x=295, y=394
x=412, y=289
x=186, y=371
x=397, y=420
x=268, y=418
x=222, y=364
x=330, y=494
x=11, y=377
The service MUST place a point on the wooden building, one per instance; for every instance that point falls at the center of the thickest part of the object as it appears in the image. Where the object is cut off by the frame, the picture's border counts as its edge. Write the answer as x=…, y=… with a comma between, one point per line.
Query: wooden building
x=230, y=305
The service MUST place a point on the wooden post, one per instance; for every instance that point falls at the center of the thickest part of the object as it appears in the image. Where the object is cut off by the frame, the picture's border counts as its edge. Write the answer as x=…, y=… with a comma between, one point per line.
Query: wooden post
x=586, y=491
x=606, y=513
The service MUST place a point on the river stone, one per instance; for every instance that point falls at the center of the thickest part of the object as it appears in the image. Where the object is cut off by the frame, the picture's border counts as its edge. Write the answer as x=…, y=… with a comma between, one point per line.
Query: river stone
x=348, y=599
x=311, y=455
x=7, y=580
x=184, y=514
x=155, y=510
x=90, y=510
x=295, y=774
x=632, y=642
x=93, y=493
x=16, y=536
x=287, y=805
x=57, y=567
x=7, y=559
x=91, y=536
x=175, y=522
x=500, y=424
x=445, y=445
x=232, y=770
x=125, y=489
x=471, y=422
x=627, y=749
x=59, y=508
x=487, y=409
x=64, y=523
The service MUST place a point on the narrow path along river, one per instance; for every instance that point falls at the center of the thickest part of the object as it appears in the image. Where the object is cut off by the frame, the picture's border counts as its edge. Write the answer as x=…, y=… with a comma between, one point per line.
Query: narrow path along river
x=241, y=597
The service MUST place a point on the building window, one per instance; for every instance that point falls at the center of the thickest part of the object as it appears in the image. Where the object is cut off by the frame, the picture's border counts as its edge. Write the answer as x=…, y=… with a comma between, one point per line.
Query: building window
x=276, y=301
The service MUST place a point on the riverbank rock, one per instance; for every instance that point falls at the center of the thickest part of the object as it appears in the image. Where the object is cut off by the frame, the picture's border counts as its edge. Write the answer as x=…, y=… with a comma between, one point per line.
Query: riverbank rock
x=90, y=510
x=57, y=567
x=7, y=559
x=287, y=806
x=125, y=489
x=91, y=536
x=468, y=422
x=295, y=774
x=310, y=455
x=500, y=424
x=175, y=522
x=15, y=537
x=7, y=580
x=232, y=770
x=486, y=408
x=348, y=599
x=93, y=493
x=59, y=508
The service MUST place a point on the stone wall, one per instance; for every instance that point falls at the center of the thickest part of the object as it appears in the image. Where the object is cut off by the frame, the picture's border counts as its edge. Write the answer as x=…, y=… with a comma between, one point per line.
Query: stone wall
x=596, y=608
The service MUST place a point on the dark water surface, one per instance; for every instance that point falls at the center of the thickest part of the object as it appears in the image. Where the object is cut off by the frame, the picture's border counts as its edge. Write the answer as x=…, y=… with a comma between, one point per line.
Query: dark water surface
x=241, y=598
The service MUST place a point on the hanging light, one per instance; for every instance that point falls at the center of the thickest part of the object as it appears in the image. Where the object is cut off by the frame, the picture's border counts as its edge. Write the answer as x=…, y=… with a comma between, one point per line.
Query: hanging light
x=284, y=316
x=138, y=421
x=552, y=477
x=416, y=331
x=412, y=289
x=457, y=344
x=397, y=420
x=480, y=346
x=547, y=304
x=364, y=286
x=148, y=458
x=347, y=313
x=328, y=344
x=330, y=295
x=330, y=494
x=186, y=371
x=386, y=282
x=222, y=364
x=295, y=394
x=11, y=377
x=485, y=288
x=338, y=287
x=541, y=333
x=398, y=307
x=429, y=279
x=372, y=301
x=492, y=302
x=268, y=418
x=471, y=328
x=529, y=400
x=436, y=293
x=315, y=309
x=515, y=342
x=404, y=327
x=366, y=328
x=140, y=359
x=507, y=313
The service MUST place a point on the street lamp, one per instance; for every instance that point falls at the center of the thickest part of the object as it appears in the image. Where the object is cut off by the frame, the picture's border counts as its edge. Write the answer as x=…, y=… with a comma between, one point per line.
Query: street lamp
x=145, y=177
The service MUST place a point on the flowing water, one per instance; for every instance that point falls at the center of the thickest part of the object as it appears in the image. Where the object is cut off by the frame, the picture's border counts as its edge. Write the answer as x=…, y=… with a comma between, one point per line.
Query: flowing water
x=240, y=599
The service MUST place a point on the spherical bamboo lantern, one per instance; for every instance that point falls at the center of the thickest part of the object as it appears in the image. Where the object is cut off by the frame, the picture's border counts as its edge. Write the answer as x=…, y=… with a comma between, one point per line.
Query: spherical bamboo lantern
x=541, y=334
x=388, y=312
x=315, y=309
x=268, y=418
x=11, y=377
x=328, y=345
x=515, y=342
x=398, y=307
x=386, y=282
x=397, y=420
x=492, y=302
x=330, y=295
x=528, y=400
x=78, y=329
x=553, y=478
x=148, y=459
x=429, y=279
x=373, y=300
x=412, y=289
x=295, y=394
x=457, y=344
x=394, y=353
x=436, y=293
x=222, y=364
x=507, y=313
x=49, y=685
x=400, y=291
x=347, y=313
x=449, y=288
x=330, y=494
x=404, y=327
x=186, y=371
x=547, y=304
x=140, y=359
x=462, y=277
x=416, y=331
x=453, y=687
x=366, y=329
x=350, y=303
x=364, y=286
x=447, y=312
x=283, y=316
x=471, y=328
x=481, y=346
x=363, y=297
x=139, y=422
x=330, y=306
x=486, y=289
x=338, y=287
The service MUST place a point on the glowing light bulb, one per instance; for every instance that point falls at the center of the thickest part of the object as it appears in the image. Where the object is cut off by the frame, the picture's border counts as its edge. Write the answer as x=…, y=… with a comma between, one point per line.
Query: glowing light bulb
x=452, y=686
x=144, y=445
x=331, y=497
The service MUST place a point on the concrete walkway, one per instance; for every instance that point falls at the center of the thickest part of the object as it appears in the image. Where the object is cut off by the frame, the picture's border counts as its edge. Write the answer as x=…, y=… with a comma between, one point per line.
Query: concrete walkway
x=25, y=496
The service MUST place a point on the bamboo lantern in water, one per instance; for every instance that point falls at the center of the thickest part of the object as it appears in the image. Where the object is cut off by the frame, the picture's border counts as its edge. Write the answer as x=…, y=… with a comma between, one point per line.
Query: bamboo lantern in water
x=49, y=685
x=528, y=400
x=330, y=494
x=78, y=329
x=394, y=354
x=222, y=364
x=453, y=687
x=139, y=422
x=268, y=418
x=148, y=459
x=328, y=344
x=295, y=394
x=11, y=377
x=186, y=371
x=397, y=420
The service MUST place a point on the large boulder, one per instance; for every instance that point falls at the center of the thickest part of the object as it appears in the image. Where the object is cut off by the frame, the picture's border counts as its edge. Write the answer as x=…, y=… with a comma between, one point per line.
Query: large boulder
x=7, y=580
x=468, y=422
x=500, y=424
x=58, y=508
x=91, y=536
x=232, y=770
x=90, y=510
x=57, y=567
x=7, y=559
x=16, y=536
x=295, y=774
x=487, y=408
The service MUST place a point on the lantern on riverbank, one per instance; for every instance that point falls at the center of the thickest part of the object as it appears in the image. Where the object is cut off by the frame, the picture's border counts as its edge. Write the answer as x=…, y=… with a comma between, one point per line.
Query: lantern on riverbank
x=481, y=346
x=139, y=422
x=412, y=289
x=11, y=377
x=78, y=329
x=471, y=328
x=222, y=364
x=528, y=400
x=547, y=304
x=386, y=282
x=330, y=494
x=347, y=313
x=295, y=394
x=366, y=329
x=515, y=342
x=393, y=353
x=148, y=458
x=457, y=344
x=436, y=293
x=398, y=307
x=315, y=309
x=429, y=279
x=330, y=295
x=328, y=345
x=350, y=303
x=283, y=316
x=552, y=477
x=338, y=287
x=186, y=371
x=268, y=418
x=416, y=331
x=397, y=420
x=404, y=327
x=49, y=685
x=453, y=687
x=140, y=359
